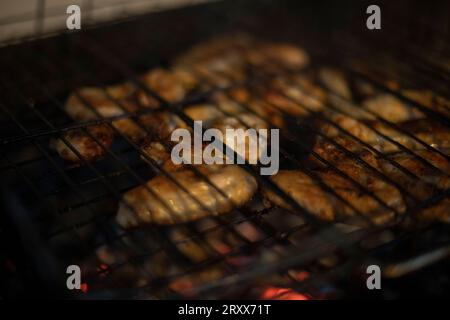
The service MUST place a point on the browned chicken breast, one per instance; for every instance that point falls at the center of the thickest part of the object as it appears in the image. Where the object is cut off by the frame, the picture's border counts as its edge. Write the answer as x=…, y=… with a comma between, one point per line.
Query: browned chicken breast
x=432, y=181
x=161, y=201
x=224, y=60
x=120, y=99
x=392, y=109
x=429, y=132
x=104, y=105
x=160, y=154
x=88, y=148
x=437, y=212
x=297, y=97
x=302, y=189
x=95, y=103
x=243, y=101
x=437, y=177
x=336, y=82
x=429, y=99
x=171, y=85
x=366, y=204
x=311, y=196
x=211, y=49
x=78, y=109
x=284, y=54
x=243, y=121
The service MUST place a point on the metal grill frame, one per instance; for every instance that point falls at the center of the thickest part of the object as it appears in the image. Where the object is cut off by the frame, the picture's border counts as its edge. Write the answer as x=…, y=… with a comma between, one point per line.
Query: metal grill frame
x=329, y=237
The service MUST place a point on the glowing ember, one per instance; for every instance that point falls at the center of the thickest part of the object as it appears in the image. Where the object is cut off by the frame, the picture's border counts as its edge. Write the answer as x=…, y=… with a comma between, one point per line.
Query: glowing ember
x=103, y=269
x=299, y=275
x=84, y=287
x=221, y=247
x=275, y=293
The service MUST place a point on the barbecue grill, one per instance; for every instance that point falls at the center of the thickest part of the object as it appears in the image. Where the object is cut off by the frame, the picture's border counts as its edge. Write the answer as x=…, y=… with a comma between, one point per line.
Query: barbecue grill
x=56, y=214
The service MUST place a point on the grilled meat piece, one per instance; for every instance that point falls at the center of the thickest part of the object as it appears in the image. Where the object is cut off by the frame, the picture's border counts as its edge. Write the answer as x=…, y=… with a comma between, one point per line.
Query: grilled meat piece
x=215, y=48
x=427, y=131
x=163, y=123
x=243, y=121
x=392, y=109
x=88, y=147
x=432, y=133
x=366, y=204
x=297, y=97
x=336, y=82
x=432, y=181
x=234, y=52
x=77, y=104
x=243, y=101
x=162, y=201
x=284, y=54
x=94, y=103
x=309, y=194
x=171, y=85
x=110, y=102
x=303, y=190
x=429, y=99
x=204, y=112
x=159, y=153
x=437, y=212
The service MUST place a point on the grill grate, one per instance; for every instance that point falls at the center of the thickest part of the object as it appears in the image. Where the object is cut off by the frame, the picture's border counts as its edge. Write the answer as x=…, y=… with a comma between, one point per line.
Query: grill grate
x=72, y=206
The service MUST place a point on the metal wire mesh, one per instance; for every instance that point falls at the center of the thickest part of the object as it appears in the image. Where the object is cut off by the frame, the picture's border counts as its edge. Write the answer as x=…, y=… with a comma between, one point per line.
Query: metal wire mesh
x=72, y=205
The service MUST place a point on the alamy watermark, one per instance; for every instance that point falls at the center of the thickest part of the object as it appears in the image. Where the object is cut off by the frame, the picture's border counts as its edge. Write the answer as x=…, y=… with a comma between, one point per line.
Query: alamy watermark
x=73, y=281
x=73, y=21
x=374, y=279
x=373, y=22
x=240, y=145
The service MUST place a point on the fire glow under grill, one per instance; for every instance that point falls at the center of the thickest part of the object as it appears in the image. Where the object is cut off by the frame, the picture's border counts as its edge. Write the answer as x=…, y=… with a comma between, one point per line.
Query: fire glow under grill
x=61, y=214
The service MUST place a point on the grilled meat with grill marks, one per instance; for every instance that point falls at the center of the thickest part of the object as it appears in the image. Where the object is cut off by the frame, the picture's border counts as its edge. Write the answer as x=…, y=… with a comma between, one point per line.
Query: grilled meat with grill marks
x=243, y=121
x=430, y=176
x=303, y=190
x=297, y=97
x=391, y=108
x=233, y=52
x=284, y=54
x=371, y=132
x=335, y=81
x=171, y=85
x=95, y=103
x=309, y=194
x=87, y=146
x=432, y=180
x=162, y=201
x=429, y=99
x=366, y=204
